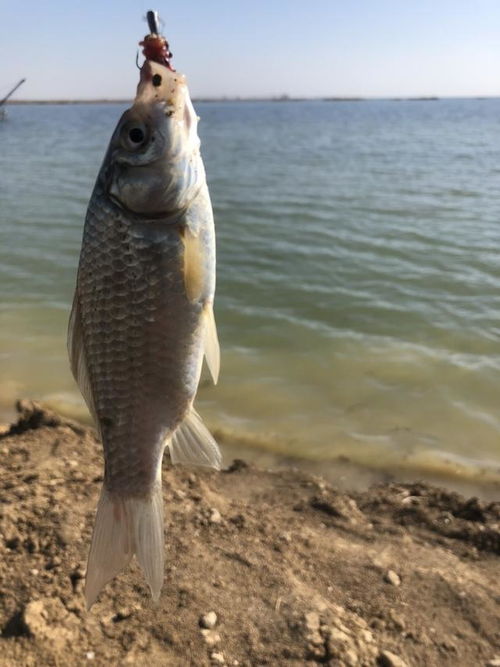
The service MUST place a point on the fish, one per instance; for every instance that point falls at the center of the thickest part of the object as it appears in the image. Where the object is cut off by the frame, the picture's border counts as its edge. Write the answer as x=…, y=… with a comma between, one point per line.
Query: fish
x=142, y=320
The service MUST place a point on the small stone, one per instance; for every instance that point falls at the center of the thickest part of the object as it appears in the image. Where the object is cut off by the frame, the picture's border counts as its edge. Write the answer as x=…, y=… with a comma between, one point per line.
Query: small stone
x=315, y=639
x=34, y=572
x=211, y=637
x=215, y=516
x=339, y=636
x=388, y=659
x=338, y=642
x=107, y=619
x=208, y=620
x=398, y=620
x=350, y=658
x=47, y=620
x=90, y=655
x=393, y=578
x=218, y=658
x=410, y=500
x=367, y=636
x=495, y=662
x=312, y=621
x=122, y=613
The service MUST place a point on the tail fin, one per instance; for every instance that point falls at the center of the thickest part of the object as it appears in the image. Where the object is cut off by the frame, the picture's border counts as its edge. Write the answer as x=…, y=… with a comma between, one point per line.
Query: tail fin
x=124, y=526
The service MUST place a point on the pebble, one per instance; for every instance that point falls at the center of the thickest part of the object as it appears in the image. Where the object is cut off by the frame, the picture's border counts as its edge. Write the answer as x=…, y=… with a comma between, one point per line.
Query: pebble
x=312, y=621
x=90, y=655
x=367, y=636
x=494, y=663
x=208, y=620
x=388, y=659
x=211, y=637
x=122, y=613
x=393, y=578
x=350, y=658
x=218, y=658
x=215, y=516
x=47, y=620
x=399, y=622
x=411, y=500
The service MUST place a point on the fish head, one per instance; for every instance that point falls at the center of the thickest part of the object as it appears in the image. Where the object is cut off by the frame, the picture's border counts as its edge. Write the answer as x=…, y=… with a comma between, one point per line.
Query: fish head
x=154, y=166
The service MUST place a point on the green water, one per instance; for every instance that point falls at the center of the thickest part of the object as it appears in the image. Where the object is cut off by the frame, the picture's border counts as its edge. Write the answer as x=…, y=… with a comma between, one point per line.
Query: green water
x=358, y=292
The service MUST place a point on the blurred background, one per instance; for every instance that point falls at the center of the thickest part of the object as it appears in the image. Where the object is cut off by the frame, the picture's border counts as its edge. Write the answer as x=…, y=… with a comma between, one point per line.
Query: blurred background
x=353, y=158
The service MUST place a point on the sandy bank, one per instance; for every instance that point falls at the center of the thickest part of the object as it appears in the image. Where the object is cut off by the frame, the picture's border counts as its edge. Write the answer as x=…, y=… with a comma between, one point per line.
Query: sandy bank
x=296, y=572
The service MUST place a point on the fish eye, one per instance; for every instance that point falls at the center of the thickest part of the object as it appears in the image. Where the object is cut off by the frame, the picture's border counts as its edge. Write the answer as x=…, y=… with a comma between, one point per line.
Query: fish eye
x=136, y=135
x=133, y=136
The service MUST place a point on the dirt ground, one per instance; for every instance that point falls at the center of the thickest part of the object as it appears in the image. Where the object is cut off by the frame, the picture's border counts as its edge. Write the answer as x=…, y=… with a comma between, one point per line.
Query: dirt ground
x=262, y=568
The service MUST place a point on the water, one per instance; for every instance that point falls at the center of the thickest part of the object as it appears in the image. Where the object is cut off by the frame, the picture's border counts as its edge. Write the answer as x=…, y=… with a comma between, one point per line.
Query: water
x=358, y=276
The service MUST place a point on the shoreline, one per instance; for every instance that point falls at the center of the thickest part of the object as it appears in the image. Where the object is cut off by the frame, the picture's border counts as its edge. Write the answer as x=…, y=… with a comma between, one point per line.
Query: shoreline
x=295, y=571
x=345, y=471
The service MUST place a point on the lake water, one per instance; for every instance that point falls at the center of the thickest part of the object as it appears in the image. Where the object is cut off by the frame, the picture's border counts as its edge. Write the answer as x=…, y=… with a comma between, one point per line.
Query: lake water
x=358, y=298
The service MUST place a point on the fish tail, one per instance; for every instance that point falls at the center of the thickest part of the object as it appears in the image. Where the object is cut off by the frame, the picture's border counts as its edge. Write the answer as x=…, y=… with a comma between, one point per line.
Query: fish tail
x=124, y=527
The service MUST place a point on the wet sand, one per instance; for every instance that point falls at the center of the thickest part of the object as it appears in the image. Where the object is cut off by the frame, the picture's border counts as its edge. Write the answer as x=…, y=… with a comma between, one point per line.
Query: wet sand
x=297, y=570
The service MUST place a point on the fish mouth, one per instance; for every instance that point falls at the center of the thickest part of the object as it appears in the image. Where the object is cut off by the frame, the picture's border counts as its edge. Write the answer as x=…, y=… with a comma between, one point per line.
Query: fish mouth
x=158, y=84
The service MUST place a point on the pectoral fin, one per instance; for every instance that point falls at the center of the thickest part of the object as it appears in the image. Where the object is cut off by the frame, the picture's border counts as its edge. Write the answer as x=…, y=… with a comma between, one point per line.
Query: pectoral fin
x=211, y=342
x=193, y=264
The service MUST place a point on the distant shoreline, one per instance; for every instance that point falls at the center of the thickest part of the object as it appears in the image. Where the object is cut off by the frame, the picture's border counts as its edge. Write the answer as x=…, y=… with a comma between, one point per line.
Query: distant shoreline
x=283, y=98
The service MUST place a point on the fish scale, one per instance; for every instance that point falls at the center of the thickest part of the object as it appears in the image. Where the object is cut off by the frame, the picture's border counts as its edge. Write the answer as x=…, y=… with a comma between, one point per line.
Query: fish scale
x=132, y=360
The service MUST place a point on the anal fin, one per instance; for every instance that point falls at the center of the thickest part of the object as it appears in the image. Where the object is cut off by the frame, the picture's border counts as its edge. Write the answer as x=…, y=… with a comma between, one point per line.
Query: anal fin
x=193, y=444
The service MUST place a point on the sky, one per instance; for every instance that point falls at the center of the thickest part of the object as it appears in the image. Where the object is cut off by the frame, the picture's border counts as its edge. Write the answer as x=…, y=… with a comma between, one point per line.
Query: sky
x=84, y=49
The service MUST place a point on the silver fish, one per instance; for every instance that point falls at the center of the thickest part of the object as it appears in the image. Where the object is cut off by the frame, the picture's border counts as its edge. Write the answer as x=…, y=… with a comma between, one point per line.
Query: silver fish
x=142, y=319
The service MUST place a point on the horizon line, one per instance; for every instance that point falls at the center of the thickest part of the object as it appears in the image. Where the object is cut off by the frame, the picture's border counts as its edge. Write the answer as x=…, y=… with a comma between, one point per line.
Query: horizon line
x=264, y=98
